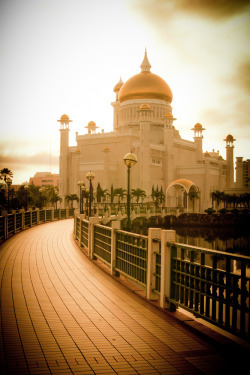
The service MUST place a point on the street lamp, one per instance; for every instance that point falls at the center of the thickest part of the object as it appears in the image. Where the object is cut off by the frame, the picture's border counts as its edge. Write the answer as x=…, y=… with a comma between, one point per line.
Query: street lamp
x=130, y=160
x=90, y=176
x=41, y=200
x=83, y=194
x=80, y=184
x=26, y=196
x=9, y=182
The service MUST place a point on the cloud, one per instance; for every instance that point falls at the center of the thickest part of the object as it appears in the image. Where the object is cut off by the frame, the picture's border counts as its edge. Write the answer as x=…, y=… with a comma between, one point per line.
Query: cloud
x=241, y=79
x=37, y=159
x=25, y=166
x=213, y=9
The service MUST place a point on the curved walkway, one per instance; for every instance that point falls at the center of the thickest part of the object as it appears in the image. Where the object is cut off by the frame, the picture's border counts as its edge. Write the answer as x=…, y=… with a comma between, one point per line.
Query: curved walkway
x=60, y=314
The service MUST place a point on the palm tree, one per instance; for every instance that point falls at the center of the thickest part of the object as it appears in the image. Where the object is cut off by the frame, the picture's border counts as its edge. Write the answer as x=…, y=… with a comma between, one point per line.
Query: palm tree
x=5, y=173
x=120, y=192
x=138, y=193
x=72, y=198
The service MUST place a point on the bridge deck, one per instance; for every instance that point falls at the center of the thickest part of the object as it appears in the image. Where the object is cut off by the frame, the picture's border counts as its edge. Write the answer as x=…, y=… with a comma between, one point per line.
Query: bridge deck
x=60, y=314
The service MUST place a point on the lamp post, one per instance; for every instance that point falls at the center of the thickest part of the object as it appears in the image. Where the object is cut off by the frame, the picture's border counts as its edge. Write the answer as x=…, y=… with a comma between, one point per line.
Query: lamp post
x=26, y=196
x=82, y=195
x=9, y=182
x=41, y=192
x=90, y=176
x=80, y=184
x=130, y=160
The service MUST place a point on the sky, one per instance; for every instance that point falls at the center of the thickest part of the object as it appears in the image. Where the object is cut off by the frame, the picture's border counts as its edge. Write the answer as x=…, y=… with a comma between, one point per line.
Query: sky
x=65, y=57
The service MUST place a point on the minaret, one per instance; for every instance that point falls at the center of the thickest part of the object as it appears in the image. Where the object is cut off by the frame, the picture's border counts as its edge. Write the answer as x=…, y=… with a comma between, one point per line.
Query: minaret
x=230, y=160
x=145, y=114
x=198, y=139
x=168, y=131
x=116, y=104
x=63, y=161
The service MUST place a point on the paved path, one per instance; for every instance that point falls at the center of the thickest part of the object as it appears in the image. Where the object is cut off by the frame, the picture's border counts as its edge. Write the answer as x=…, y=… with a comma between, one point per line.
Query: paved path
x=61, y=314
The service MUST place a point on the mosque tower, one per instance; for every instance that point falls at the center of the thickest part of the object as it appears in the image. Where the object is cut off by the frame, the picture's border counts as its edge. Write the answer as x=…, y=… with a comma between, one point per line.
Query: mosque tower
x=198, y=139
x=63, y=161
x=230, y=160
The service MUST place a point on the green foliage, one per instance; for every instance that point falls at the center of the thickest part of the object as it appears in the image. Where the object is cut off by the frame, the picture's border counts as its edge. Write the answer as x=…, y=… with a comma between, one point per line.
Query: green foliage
x=210, y=211
x=5, y=173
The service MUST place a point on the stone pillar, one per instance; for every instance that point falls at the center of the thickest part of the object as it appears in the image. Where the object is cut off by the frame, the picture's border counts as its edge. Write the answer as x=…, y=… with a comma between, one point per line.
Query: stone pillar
x=154, y=238
x=166, y=236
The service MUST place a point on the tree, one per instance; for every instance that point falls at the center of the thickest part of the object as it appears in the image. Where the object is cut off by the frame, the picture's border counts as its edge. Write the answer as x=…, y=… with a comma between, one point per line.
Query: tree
x=138, y=193
x=120, y=192
x=100, y=193
x=5, y=173
x=72, y=198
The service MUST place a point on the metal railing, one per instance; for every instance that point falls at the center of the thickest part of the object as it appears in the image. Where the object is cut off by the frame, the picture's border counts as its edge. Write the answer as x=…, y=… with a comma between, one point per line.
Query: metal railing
x=212, y=285
x=13, y=223
x=131, y=256
x=102, y=243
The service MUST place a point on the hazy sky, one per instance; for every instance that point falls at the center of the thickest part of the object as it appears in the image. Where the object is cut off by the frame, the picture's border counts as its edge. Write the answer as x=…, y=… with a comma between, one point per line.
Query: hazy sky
x=65, y=56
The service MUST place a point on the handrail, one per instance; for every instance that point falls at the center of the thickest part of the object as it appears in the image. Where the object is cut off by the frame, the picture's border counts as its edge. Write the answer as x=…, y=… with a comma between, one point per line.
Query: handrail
x=190, y=277
x=11, y=224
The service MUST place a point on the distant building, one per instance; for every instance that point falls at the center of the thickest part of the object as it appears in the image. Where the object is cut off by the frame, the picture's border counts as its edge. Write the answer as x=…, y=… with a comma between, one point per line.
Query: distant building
x=143, y=123
x=45, y=179
x=242, y=173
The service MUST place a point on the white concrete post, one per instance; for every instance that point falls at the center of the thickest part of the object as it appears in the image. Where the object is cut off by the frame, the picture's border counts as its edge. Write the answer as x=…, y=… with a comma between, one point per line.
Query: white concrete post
x=52, y=214
x=166, y=236
x=153, y=233
x=92, y=222
x=115, y=225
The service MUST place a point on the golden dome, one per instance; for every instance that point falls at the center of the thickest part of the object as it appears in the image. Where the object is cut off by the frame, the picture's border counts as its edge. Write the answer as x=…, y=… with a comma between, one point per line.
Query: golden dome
x=145, y=85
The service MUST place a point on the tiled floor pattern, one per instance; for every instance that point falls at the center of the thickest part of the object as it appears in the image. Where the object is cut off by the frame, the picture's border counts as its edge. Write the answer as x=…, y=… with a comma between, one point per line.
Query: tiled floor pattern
x=60, y=314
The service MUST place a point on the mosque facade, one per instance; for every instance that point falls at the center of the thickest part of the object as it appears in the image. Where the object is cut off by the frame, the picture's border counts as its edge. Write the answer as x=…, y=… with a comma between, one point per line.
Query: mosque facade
x=143, y=123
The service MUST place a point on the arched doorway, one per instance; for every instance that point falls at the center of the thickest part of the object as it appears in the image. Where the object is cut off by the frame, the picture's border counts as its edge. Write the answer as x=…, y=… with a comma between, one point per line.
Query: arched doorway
x=183, y=194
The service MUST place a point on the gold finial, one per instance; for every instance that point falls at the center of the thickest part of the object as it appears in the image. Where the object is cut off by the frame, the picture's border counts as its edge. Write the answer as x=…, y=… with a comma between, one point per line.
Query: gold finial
x=145, y=65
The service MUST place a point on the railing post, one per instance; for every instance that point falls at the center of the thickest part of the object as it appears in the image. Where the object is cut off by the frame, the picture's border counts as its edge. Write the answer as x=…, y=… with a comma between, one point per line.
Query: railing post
x=5, y=226
x=15, y=223
x=67, y=213
x=23, y=220
x=115, y=225
x=166, y=235
x=153, y=234
x=92, y=222
x=52, y=214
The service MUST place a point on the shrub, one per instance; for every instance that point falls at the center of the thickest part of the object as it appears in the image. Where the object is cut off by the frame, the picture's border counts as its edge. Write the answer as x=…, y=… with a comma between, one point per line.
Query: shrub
x=210, y=211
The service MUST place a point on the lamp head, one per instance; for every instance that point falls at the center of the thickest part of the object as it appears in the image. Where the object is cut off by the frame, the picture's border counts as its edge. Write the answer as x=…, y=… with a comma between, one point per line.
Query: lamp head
x=90, y=176
x=130, y=160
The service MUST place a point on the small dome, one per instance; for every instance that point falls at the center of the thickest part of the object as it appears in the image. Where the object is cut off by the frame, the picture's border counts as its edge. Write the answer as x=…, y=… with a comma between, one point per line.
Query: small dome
x=145, y=106
x=198, y=126
x=91, y=123
x=64, y=119
x=229, y=138
x=118, y=86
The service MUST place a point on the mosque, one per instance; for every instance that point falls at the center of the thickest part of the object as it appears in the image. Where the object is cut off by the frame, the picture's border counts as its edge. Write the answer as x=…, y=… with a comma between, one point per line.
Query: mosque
x=143, y=124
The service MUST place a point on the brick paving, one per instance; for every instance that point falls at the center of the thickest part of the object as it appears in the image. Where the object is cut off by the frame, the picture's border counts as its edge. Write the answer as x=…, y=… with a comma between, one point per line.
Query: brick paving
x=61, y=314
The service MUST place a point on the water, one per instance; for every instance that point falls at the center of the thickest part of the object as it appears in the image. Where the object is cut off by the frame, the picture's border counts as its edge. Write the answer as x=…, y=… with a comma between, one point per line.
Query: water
x=232, y=240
